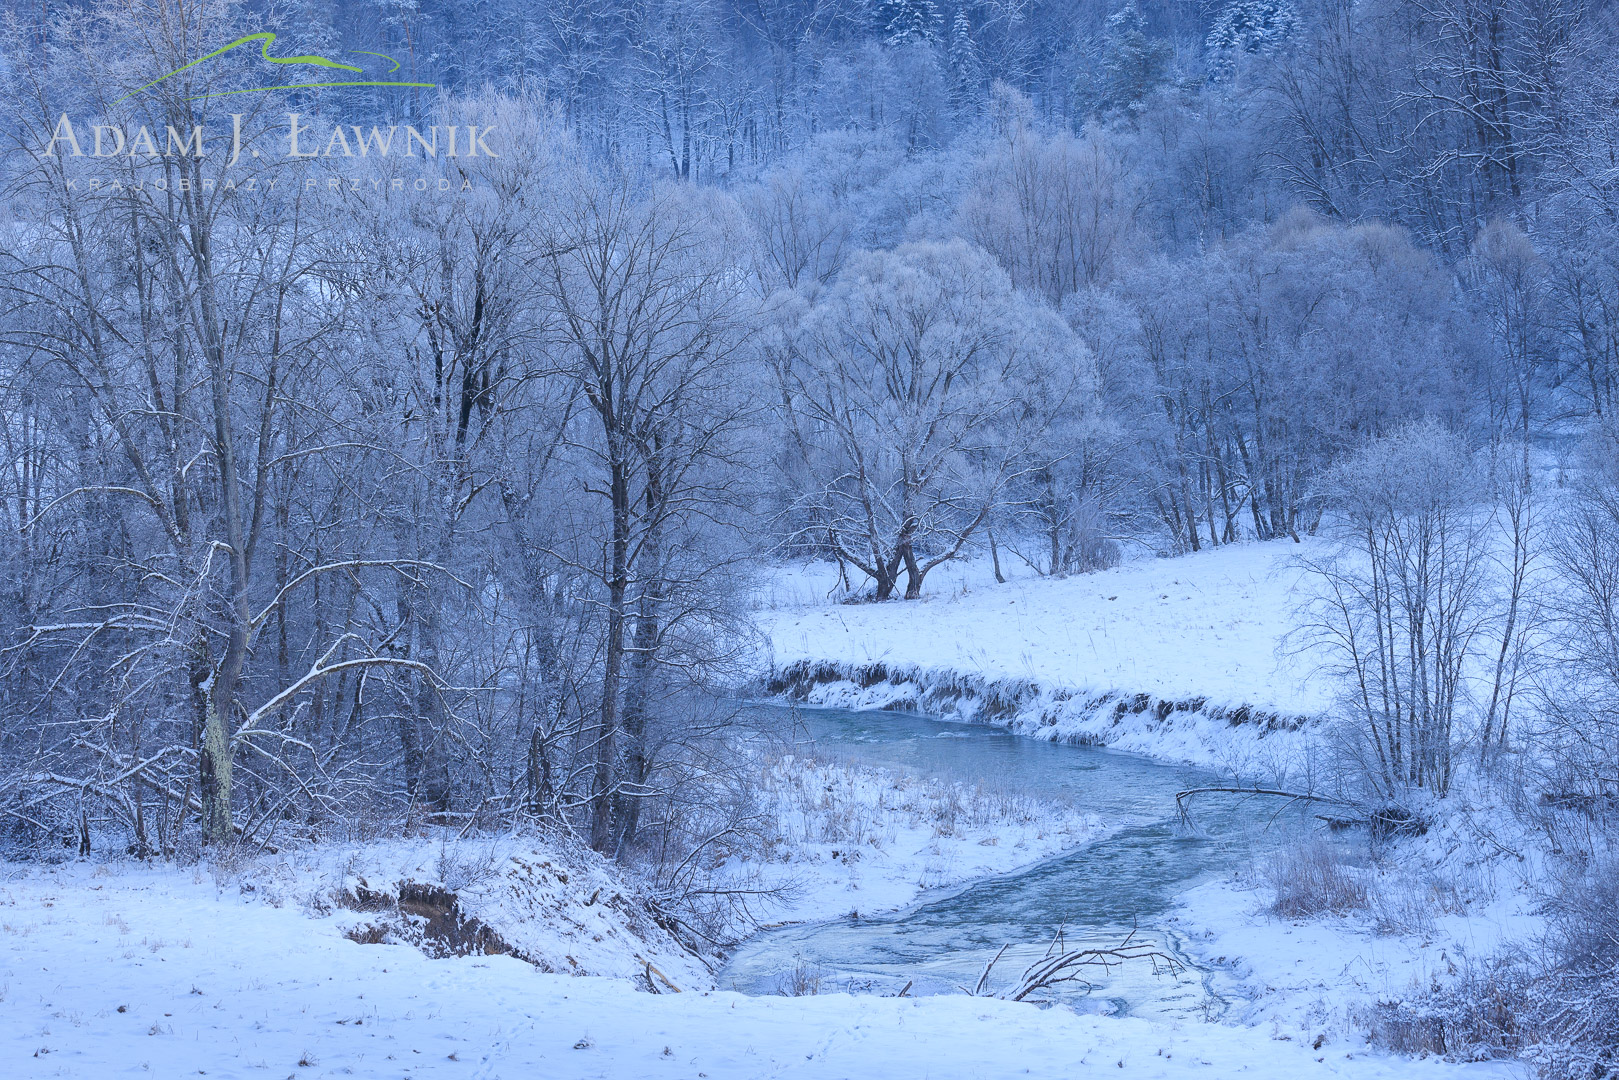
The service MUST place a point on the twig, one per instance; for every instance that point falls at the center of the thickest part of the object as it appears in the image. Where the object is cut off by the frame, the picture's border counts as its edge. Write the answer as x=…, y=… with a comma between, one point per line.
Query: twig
x=1295, y=796
x=1060, y=965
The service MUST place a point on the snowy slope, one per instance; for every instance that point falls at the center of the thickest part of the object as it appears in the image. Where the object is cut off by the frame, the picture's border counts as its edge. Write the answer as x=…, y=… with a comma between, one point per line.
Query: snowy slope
x=1190, y=659
x=137, y=972
x=1444, y=901
x=562, y=908
x=1207, y=625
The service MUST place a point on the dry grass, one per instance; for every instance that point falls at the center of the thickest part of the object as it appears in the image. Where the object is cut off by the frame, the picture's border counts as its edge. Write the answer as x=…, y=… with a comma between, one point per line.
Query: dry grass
x=1484, y=1011
x=368, y=934
x=803, y=979
x=823, y=802
x=1312, y=879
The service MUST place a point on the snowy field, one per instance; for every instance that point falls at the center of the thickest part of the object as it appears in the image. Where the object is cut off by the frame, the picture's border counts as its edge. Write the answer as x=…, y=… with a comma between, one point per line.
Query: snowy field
x=1191, y=660
x=134, y=972
x=335, y=960
x=299, y=965
x=1208, y=625
x=308, y=964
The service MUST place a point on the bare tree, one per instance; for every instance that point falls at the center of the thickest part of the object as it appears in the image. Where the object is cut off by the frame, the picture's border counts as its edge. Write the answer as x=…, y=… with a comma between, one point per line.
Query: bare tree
x=1401, y=602
x=1059, y=212
x=804, y=233
x=1509, y=283
x=1517, y=512
x=651, y=325
x=1579, y=691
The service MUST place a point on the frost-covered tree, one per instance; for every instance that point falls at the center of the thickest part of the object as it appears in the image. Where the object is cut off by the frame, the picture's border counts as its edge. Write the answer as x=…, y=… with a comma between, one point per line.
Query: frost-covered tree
x=650, y=325
x=1134, y=63
x=1581, y=302
x=1252, y=26
x=906, y=22
x=1058, y=211
x=1579, y=716
x=1254, y=399
x=908, y=394
x=1508, y=282
x=804, y=233
x=1401, y=605
x=966, y=69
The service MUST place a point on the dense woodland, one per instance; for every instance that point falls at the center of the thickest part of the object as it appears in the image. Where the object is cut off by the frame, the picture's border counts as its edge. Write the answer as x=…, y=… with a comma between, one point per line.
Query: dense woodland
x=329, y=505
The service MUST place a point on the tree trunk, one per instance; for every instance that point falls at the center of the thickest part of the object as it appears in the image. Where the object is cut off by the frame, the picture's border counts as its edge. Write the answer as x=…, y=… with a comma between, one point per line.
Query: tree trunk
x=643, y=663
x=215, y=760
x=601, y=800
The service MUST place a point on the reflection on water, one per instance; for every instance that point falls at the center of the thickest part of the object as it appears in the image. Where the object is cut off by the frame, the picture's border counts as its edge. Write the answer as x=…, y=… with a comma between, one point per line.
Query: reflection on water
x=1099, y=892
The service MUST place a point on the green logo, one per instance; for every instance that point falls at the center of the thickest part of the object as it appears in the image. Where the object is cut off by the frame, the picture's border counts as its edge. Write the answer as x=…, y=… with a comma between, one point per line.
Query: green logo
x=266, y=39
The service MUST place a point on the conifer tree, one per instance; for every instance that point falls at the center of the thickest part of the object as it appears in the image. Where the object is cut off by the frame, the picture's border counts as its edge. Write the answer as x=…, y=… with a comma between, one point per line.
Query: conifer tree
x=966, y=70
x=1133, y=62
x=1252, y=27
x=906, y=22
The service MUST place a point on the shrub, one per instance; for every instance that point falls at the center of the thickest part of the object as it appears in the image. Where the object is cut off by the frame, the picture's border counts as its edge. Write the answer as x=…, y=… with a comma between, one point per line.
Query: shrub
x=1579, y=994
x=1559, y=1009
x=803, y=979
x=1311, y=880
x=1485, y=1011
x=1400, y=905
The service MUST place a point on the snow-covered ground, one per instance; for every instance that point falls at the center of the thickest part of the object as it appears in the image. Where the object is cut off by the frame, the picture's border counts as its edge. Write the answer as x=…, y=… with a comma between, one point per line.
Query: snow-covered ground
x=128, y=971
x=1209, y=625
x=1191, y=659
x=1431, y=909
x=325, y=962
x=561, y=908
x=338, y=959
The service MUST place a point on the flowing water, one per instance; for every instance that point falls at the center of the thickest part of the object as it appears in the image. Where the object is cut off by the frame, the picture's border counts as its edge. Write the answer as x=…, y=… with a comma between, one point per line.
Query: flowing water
x=1125, y=881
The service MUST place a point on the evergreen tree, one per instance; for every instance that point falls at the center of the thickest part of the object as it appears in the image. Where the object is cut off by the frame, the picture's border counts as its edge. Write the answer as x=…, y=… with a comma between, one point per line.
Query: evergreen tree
x=1133, y=63
x=906, y=22
x=966, y=70
x=1255, y=27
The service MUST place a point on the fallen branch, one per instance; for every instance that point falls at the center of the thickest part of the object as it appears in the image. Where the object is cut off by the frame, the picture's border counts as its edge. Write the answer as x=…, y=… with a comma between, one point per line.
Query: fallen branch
x=1291, y=796
x=1063, y=966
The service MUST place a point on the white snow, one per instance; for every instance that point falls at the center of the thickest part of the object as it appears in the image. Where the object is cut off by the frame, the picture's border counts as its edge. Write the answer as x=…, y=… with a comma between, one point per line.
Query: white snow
x=1191, y=659
x=1209, y=625
x=124, y=969
x=1435, y=905
x=130, y=971
x=564, y=909
x=1216, y=627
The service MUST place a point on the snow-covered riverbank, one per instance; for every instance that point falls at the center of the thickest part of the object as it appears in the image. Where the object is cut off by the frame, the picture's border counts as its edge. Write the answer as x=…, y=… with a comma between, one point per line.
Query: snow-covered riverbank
x=131, y=971
x=323, y=963
x=326, y=963
x=1208, y=625
x=1186, y=660
x=1192, y=660
x=1396, y=945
